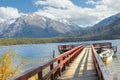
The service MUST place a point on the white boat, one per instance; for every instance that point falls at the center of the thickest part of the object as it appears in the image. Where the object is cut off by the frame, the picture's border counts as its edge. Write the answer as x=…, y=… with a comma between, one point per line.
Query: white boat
x=105, y=50
x=107, y=55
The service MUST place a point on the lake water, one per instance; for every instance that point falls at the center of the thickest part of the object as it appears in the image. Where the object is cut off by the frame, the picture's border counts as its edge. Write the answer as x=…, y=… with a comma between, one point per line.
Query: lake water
x=38, y=54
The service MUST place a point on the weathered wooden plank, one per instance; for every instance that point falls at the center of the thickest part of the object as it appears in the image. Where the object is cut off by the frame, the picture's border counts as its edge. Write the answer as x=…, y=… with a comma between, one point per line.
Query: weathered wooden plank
x=104, y=71
x=82, y=68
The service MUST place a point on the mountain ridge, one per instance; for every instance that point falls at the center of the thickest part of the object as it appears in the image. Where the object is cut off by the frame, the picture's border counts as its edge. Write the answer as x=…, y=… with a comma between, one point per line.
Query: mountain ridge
x=108, y=28
x=34, y=25
x=37, y=26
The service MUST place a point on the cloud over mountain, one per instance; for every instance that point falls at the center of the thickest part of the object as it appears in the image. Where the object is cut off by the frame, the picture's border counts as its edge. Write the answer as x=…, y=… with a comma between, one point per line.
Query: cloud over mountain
x=7, y=13
x=82, y=12
x=81, y=15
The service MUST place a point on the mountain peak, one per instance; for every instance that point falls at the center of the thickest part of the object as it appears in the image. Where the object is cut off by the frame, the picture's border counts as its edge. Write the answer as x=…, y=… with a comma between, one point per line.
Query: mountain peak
x=107, y=20
x=36, y=25
x=44, y=14
x=64, y=21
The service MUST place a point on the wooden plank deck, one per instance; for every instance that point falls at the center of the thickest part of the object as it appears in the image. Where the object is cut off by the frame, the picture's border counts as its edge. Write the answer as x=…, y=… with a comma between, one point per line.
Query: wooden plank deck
x=82, y=68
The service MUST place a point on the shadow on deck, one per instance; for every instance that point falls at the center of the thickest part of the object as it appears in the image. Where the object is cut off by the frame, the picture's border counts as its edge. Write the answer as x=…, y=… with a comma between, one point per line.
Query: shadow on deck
x=82, y=68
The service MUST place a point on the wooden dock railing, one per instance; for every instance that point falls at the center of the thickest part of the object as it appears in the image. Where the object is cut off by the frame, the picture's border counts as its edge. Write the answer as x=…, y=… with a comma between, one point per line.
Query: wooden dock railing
x=56, y=66
x=102, y=72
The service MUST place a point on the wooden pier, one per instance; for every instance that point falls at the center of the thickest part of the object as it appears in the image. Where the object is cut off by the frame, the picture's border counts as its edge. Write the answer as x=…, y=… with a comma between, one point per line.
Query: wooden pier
x=82, y=68
x=79, y=63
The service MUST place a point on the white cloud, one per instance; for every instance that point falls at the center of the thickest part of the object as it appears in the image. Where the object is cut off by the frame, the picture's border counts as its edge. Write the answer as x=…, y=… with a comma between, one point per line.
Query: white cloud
x=91, y=2
x=7, y=13
x=83, y=16
x=45, y=14
x=55, y=3
x=114, y=4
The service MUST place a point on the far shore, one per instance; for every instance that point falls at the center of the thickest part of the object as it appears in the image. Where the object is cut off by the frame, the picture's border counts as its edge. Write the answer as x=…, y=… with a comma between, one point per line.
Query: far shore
x=29, y=41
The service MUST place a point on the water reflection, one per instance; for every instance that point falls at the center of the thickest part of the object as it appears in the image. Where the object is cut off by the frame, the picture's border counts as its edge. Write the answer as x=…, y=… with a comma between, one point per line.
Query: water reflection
x=114, y=67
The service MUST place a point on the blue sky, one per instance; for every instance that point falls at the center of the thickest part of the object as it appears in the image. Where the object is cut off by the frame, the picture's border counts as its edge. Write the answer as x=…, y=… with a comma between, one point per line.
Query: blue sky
x=28, y=6
x=82, y=3
x=82, y=12
x=25, y=6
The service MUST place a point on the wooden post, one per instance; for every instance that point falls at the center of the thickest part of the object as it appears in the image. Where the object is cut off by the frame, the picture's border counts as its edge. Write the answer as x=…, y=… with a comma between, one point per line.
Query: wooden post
x=59, y=70
x=40, y=77
x=64, y=66
x=53, y=54
x=68, y=61
x=52, y=75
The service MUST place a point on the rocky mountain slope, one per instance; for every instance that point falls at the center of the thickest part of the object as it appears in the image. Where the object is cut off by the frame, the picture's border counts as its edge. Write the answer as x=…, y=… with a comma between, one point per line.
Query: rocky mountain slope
x=106, y=29
x=34, y=25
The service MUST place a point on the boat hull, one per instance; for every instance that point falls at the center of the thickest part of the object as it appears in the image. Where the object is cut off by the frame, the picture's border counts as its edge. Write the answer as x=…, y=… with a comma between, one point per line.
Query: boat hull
x=107, y=55
x=107, y=60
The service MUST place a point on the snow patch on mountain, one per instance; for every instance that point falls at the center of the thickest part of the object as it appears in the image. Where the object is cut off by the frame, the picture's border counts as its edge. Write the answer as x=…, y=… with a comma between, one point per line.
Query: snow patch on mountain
x=37, y=25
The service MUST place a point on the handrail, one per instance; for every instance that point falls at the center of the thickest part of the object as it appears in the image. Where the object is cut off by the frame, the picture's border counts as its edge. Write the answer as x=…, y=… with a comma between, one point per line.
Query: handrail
x=102, y=72
x=62, y=60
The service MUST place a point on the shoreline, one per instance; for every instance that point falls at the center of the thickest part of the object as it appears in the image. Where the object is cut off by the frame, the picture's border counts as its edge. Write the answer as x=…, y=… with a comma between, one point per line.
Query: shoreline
x=32, y=41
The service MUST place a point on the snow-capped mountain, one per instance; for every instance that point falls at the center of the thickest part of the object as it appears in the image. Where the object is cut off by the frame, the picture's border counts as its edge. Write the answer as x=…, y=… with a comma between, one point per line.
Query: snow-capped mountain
x=4, y=26
x=109, y=28
x=34, y=25
x=107, y=21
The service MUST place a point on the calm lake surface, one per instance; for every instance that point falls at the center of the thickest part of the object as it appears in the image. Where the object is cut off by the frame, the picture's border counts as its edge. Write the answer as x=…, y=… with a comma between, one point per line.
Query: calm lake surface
x=38, y=54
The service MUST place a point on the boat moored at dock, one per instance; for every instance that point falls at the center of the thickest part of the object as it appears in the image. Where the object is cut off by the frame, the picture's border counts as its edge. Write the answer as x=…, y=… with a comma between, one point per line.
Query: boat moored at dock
x=105, y=50
x=107, y=55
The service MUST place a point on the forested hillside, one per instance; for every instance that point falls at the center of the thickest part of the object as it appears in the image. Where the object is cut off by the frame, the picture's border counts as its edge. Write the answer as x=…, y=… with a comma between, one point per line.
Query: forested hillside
x=108, y=28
